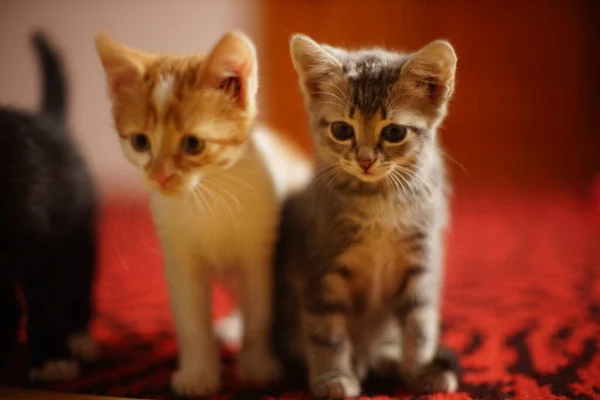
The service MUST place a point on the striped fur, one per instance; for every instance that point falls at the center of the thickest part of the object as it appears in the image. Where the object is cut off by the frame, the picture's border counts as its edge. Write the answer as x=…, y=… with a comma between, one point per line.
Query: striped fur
x=361, y=250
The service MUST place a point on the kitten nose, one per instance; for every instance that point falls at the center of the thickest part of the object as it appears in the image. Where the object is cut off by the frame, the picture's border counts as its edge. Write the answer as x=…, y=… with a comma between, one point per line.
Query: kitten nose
x=365, y=157
x=160, y=176
x=366, y=163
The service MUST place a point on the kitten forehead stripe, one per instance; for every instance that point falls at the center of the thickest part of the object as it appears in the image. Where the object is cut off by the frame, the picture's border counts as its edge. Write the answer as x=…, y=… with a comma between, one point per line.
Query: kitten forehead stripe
x=371, y=79
x=162, y=90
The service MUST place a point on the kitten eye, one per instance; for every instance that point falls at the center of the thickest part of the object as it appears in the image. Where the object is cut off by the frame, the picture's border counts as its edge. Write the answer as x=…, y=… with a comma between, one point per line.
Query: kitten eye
x=342, y=131
x=191, y=145
x=393, y=133
x=140, y=142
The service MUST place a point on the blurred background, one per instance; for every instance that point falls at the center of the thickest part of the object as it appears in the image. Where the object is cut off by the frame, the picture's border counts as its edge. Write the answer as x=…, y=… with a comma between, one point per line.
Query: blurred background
x=524, y=111
x=523, y=144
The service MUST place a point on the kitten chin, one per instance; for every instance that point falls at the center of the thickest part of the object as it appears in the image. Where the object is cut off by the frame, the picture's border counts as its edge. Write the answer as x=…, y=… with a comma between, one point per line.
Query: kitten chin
x=367, y=176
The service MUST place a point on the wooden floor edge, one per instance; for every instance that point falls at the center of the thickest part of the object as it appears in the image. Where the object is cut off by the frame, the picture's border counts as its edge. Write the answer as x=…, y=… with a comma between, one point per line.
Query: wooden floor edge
x=12, y=393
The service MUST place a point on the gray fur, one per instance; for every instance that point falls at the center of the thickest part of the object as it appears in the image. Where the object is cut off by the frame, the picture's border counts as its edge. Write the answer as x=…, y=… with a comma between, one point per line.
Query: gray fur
x=360, y=260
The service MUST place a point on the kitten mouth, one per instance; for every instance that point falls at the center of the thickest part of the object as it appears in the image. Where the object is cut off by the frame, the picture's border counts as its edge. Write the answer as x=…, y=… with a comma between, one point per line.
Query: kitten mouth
x=369, y=176
x=170, y=192
x=167, y=190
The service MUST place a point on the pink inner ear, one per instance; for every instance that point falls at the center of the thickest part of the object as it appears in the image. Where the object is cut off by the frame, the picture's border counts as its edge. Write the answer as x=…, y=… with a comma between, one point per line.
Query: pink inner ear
x=122, y=81
x=233, y=86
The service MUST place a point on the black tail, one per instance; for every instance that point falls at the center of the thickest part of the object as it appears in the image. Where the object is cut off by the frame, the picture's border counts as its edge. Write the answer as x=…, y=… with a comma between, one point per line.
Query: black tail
x=54, y=100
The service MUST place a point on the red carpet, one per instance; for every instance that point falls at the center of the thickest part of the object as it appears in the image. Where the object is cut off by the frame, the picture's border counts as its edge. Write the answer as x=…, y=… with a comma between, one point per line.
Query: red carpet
x=522, y=304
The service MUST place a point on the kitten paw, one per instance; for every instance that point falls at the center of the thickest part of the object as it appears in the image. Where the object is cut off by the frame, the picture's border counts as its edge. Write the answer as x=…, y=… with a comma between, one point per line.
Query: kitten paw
x=229, y=329
x=435, y=381
x=58, y=370
x=83, y=347
x=441, y=375
x=385, y=363
x=335, y=385
x=195, y=383
x=258, y=367
x=361, y=369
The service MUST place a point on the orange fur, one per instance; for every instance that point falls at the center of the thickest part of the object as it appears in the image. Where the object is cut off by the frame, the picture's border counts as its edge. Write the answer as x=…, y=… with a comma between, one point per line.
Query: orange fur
x=216, y=208
x=193, y=103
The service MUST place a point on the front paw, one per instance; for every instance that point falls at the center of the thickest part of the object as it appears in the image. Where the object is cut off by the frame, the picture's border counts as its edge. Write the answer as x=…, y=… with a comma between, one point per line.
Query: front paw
x=83, y=347
x=440, y=375
x=196, y=383
x=335, y=385
x=58, y=370
x=258, y=367
x=434, y=381
x=385, y=362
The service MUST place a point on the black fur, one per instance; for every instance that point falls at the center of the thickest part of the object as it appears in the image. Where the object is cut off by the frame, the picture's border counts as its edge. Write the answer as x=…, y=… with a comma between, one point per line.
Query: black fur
x=47, y=222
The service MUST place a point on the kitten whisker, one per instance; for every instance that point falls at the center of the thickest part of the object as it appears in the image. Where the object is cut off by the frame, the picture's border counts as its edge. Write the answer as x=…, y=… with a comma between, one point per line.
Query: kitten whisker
x=116, y=249
x=226, y=191
x=449, y=157
x=238, y=180
x=418, y=180
x=338, y=89
x=412, y=191
x=321, y=180
x=332, y=95
x=138, y=216
x=333, y=179
x=222, y=202
x=243, y=155
x=332, y=103
x=201, y=201
x=417, y=172
x=399, y=185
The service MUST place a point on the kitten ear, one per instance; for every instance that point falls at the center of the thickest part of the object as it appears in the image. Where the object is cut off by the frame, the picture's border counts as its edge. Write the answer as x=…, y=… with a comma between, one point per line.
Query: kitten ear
x=430, y=71
x=124, y=67
x=232, y=66
x=313, y=63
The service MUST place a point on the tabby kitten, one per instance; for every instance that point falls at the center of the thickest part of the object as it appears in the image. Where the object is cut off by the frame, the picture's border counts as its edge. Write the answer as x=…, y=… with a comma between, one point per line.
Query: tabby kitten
x=187, y=124
x=48, y=217
x=362, y=247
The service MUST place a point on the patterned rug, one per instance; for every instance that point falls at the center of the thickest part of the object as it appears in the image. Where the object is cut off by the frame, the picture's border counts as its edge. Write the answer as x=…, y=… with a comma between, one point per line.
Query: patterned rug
x=522, y=305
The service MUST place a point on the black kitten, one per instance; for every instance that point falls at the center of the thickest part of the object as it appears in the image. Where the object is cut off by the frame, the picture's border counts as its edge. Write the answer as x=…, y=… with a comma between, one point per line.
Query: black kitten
x=47, y=231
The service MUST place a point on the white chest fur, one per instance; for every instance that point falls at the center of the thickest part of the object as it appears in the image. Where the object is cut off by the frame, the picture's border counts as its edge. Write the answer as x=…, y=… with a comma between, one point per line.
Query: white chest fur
x=234, y=211
x=375, y=259
x=225, y=230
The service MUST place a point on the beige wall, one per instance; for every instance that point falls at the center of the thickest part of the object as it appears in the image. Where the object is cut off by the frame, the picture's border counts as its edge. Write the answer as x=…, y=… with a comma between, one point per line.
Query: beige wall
x=154, y=25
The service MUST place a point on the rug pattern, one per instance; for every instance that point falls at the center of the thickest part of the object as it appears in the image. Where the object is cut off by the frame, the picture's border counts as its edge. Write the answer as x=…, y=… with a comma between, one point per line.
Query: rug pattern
x=522, y=305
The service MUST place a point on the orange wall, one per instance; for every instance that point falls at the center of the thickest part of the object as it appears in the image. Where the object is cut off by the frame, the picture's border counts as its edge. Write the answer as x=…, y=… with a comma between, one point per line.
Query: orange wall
x=525, y=106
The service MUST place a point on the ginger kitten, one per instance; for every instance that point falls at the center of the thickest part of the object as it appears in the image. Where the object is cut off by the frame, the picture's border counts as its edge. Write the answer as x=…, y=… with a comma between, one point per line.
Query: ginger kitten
x=187, y=123
x=361, y=249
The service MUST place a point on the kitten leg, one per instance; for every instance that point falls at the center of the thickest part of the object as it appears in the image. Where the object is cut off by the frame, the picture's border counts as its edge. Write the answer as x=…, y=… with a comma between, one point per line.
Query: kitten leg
x=56, y=370
x=83, y=346
x=257, y=364
x=10, y=310
x=190, y=293
x=82, y=263
x=228, y=329
x=418, y=313
x=47, y=301
x=361, y=368
x=327, y=344
x=385, y=353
